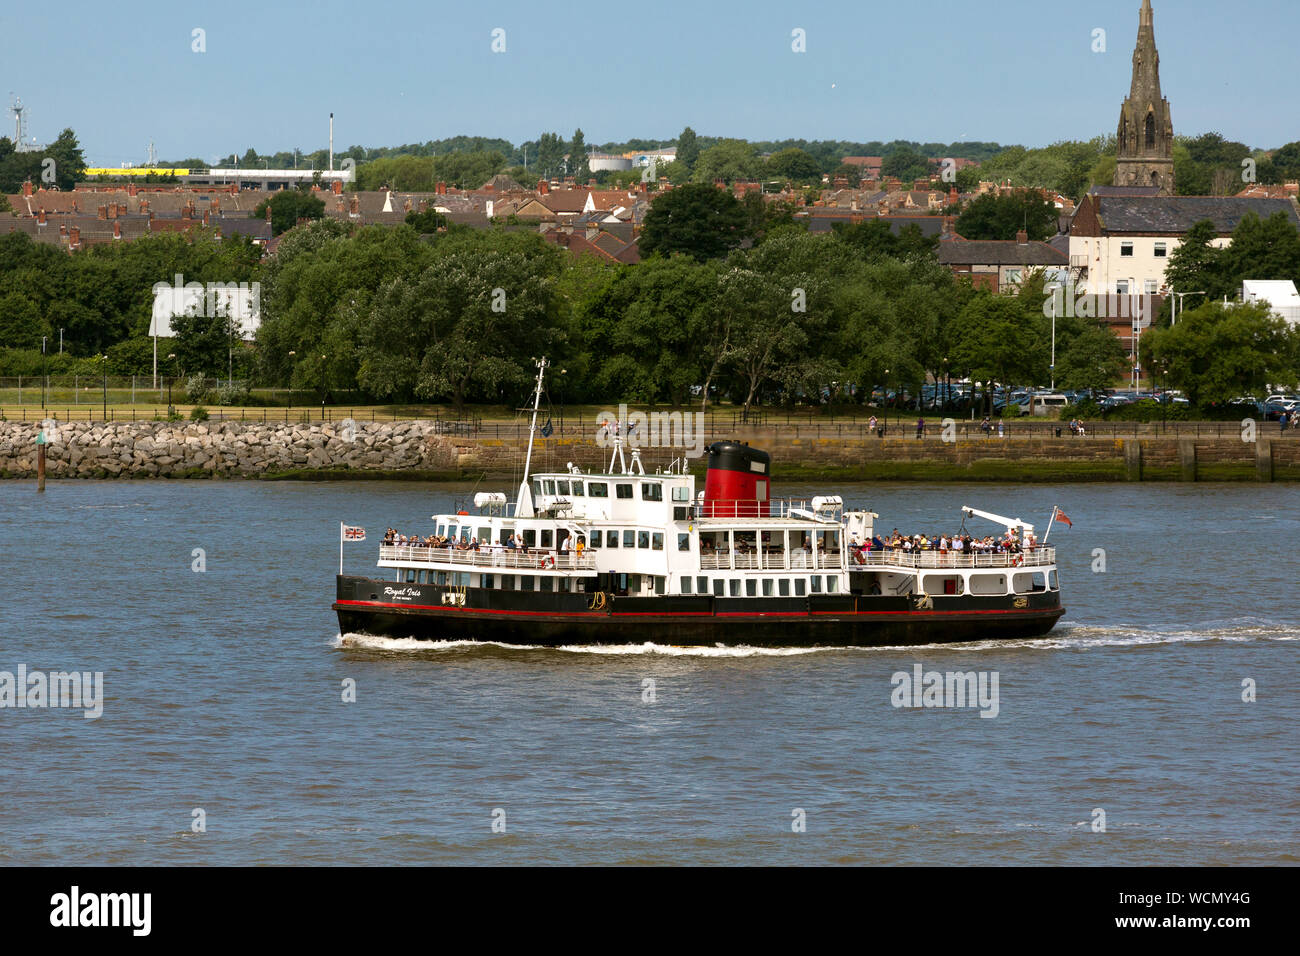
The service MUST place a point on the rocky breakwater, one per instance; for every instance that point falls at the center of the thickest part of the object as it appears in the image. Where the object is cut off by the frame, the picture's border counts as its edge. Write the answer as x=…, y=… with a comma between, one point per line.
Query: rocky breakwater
x=228, y=449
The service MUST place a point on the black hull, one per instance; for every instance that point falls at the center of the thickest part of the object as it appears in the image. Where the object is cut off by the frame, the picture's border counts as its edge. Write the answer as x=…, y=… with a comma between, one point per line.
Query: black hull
x=428, y=612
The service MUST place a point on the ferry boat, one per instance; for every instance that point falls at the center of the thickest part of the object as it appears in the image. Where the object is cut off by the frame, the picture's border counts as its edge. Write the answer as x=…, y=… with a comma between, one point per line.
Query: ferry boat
x=626, y=556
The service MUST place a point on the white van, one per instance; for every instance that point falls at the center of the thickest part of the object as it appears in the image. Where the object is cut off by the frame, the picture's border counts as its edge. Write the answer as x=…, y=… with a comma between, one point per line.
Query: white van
x=1047, y=405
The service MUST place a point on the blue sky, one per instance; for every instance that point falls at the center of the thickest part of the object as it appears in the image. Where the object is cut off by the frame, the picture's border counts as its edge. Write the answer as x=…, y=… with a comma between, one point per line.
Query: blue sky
x=399, y=71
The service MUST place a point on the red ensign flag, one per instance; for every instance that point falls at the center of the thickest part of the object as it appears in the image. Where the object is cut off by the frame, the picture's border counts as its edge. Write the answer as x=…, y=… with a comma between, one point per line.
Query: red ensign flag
x=1060, y=516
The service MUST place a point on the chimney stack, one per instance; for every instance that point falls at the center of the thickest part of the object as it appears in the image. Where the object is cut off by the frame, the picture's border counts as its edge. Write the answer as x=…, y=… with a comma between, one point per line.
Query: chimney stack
x=1022, y=237
x=27, y=187
x=117, y=230
x=102, y=212
x=440, y=189
x=74, y=237
x=40, y=216
x=337, y=187
x=543, y=187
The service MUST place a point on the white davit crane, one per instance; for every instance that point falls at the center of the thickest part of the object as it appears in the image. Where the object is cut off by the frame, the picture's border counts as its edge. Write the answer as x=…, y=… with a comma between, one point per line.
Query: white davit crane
x=1011, y=524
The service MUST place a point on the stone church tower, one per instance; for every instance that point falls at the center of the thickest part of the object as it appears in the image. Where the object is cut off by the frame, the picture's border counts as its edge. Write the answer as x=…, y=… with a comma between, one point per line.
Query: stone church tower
x=1146, y=131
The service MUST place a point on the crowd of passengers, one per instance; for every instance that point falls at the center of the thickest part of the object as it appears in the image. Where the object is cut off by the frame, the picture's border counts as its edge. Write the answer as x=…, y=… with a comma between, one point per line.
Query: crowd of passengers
x=1012, y=542
x=514, y=543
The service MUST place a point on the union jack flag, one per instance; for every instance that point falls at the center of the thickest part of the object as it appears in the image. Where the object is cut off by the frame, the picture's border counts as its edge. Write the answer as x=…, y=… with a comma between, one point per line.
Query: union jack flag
x=353, y=533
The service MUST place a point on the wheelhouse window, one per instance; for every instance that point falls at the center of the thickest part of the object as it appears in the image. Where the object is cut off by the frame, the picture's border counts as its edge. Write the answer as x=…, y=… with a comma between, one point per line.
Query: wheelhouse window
x=657, y=541
x=562, y=487
x=623, y=490
x=597, y=489
x=681, y=493
x=549, y=485
x=611, y=539
x=643, y=539
x=629, y=538
x=652, y=491
x=577, y=489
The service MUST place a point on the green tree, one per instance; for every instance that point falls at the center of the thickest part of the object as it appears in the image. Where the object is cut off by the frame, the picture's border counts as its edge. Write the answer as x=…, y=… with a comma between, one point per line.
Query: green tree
x=578, y=157
x=795, y=165
x=728, y=160
x=550, y=155
x=906, y=164
x=1092, y=358
x=994, y=216
x=688, y=149
x=1218, y=352
x=289, y=207
x=699, y=220
x=20, y=322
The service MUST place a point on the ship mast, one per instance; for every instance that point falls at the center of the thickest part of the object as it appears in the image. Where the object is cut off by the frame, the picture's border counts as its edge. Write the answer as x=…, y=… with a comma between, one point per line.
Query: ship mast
x=524, y=502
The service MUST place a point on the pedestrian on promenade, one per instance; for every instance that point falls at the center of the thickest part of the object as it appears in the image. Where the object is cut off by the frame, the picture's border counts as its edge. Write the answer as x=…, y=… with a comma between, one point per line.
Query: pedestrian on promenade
x=920, y=428
x=1002, y=429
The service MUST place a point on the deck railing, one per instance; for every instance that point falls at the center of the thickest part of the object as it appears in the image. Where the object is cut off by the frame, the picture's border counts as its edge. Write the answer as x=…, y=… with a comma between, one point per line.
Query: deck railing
x=1036, y=558
x=491, y=557
x=797, y=559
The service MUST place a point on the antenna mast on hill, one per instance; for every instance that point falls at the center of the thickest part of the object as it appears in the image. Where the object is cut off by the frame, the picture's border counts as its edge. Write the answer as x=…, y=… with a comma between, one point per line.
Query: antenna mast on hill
x=20, y=125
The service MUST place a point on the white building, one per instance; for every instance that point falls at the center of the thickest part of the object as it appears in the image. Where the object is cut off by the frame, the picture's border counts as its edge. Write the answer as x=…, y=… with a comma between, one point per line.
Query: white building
x=1122, y=243
x=1281, y=294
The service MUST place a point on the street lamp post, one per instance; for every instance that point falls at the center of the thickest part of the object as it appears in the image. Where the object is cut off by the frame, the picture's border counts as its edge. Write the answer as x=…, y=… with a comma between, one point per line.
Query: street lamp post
x=1178, y=304
x=171, y=358
x=291, y=371
x=1053, y=365
x=45, y=368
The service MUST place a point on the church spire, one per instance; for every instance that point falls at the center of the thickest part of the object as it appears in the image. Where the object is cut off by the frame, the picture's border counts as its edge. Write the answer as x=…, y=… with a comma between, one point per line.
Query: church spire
x=1145, y=136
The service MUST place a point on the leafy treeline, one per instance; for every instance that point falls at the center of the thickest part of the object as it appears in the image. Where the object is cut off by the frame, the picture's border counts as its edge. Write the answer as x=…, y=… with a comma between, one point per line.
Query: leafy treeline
x=101, y=297
x=459, y=317
x=1206, y=165
x=58, y=164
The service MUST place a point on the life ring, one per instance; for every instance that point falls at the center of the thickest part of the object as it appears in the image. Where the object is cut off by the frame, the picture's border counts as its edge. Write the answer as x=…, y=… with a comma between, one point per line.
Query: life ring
x=548, y=561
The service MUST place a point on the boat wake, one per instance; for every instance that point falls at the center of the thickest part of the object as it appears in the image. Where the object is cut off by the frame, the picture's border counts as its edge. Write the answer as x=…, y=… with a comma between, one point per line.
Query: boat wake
x=1067, y=636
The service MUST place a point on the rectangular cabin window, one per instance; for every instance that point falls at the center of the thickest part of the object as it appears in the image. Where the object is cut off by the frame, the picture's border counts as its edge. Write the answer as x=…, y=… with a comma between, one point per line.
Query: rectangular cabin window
x=451, y=532
x=686, y=584
x=485, y=580
x=507, y=582
x=548, y=584
x=550, y=486
x=767, y=587
x=832, y=584
x=784, y=586
x=683, y=542
x=562, y=585
x=537, y=487
x=442, y=578
x=548, y=541
x=718, y=587
x=701, y=585
x=629, y=538
x=751, y=587
x=562, y=487
x=652, y=491
x=624, y=491
x=800, y=587
x=611, y=539
x=657, y=541
x=530, y=538
x=660, y=584
x=643, y=539
x=442, y=530
x=577, y=489
x=597, y=489
x=485, y=535
x=735, y=587
x=505, y=536
x=681, y=493
x=525, y=582
x=410, y=575
x=596, y=539
x=816, y=584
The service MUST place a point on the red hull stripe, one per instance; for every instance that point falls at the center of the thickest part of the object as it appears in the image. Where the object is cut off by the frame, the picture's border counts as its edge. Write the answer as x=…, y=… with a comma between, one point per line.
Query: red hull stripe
x=580, y=614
